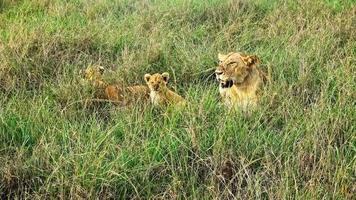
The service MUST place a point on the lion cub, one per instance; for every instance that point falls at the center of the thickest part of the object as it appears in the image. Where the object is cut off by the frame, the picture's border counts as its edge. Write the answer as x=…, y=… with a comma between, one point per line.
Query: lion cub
x=93, y=75
x=239, y=79
x=113, y=92
x=159, y=93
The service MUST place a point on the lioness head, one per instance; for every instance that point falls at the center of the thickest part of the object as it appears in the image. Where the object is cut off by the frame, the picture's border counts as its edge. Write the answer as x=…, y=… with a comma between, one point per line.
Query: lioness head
x=157, y=82
x=235, y=67
x=93, y=73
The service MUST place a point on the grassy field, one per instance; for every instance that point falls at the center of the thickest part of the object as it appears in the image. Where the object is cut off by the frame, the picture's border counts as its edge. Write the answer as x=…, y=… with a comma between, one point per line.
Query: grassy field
x=300, y=143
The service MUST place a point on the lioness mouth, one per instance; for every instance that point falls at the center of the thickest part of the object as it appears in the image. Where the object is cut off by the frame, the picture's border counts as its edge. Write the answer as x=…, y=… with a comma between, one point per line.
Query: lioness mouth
x=227, y=84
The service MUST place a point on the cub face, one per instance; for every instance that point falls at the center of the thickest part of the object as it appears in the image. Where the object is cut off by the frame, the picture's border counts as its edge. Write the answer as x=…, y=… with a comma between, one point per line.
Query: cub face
x=157, y=82
x=235, y=67
x=93, y=73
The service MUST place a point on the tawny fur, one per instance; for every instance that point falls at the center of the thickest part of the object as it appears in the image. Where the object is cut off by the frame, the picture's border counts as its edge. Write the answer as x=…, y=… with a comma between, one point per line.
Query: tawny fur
x=247, y=79
x=160, y=94
x=114, y=92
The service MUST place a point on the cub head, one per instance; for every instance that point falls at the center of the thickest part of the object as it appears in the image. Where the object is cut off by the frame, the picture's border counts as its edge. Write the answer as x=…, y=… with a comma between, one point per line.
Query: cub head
x=235, y=67
x=93, y=73
x=157, y=82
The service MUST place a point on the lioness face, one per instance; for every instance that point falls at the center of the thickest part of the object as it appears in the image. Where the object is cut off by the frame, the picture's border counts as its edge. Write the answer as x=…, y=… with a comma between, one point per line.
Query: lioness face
x=234, y=66
x=157, y=82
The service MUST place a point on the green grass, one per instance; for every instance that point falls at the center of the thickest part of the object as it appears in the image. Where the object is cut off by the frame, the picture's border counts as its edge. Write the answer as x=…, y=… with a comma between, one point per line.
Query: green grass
x=300, y=143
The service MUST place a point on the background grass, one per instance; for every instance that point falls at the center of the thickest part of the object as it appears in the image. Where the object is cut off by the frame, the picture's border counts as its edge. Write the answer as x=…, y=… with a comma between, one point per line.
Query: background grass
x=300, y=143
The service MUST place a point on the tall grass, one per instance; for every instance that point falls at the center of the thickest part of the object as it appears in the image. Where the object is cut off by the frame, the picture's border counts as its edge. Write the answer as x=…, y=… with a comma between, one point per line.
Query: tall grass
x=300, y=143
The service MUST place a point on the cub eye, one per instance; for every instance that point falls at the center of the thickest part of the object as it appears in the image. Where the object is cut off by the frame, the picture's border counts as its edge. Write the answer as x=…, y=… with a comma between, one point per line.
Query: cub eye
x=218, y=73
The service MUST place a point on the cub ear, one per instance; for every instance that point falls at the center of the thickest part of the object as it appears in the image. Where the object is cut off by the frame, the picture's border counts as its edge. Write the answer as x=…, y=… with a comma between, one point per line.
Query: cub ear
x=251, y=60
x=165, y=76
x=221, y=57
x=101, y=70
x=147, y=77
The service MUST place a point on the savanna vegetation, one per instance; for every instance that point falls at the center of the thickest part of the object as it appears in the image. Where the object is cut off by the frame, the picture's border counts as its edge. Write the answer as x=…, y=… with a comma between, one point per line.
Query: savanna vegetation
x=56, y=143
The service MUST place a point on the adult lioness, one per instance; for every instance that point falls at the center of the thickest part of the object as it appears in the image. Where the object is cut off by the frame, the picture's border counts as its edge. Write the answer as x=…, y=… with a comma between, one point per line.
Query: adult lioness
x=115, y=93
x=239, y=79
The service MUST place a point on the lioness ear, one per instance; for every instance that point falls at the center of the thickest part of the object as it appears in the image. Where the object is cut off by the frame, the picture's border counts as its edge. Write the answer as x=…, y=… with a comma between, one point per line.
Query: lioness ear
x=221, y=57
x=251, y=60
x=165, y=76
x=147, y=77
